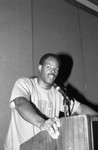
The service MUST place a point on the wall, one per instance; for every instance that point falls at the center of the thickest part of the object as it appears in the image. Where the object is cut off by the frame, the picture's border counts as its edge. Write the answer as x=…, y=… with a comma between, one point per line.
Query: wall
x=15, y=52
x=59, y=26
x=89, y=28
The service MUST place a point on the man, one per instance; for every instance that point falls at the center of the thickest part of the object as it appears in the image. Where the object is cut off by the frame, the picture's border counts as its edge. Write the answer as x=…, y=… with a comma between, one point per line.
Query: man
x=36, y=105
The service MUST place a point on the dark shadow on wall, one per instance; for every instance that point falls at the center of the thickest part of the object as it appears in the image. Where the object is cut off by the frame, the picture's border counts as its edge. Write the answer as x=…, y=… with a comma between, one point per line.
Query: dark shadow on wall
x=65, y=68
x=64, y=74
x=74, y=93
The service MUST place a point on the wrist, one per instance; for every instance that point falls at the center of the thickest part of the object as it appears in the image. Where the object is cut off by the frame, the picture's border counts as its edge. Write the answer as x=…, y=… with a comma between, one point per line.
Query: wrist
x=41, y=126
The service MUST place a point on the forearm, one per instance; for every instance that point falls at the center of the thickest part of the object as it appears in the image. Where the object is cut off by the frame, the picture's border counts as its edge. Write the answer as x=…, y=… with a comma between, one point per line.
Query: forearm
x=84, y=109
x=27, y=111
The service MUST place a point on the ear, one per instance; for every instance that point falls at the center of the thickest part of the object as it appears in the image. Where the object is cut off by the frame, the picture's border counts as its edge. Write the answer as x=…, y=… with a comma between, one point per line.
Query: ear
x=39, y=68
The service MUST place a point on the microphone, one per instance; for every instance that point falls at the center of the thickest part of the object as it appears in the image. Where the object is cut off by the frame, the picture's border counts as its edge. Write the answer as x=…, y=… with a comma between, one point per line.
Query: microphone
x=63, y=92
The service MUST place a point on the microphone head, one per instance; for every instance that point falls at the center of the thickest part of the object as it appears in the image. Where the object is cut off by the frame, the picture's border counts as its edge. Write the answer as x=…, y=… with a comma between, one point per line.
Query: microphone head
x=56, y=86
x=59, y=88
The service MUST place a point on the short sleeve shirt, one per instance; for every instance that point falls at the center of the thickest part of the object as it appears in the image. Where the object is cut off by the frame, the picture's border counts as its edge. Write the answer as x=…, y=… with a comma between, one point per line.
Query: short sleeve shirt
x=49, y=102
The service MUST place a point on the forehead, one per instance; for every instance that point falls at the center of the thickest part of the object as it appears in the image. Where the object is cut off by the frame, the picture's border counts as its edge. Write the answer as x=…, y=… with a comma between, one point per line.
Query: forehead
x=52, y=61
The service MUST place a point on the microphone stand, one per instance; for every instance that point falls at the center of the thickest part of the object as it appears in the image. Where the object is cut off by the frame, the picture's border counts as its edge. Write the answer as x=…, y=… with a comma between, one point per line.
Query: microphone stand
x=66, y=111
x=66, y=102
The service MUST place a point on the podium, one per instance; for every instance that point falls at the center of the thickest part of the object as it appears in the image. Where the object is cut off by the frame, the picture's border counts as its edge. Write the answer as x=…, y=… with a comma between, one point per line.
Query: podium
x=76, y=133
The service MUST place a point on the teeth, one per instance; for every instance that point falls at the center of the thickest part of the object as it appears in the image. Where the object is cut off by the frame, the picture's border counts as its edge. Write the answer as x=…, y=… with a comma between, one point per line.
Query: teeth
x=51, y=76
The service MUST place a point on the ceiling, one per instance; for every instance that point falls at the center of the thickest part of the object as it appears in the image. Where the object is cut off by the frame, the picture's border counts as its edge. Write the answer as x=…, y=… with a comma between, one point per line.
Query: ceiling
x=89, y=5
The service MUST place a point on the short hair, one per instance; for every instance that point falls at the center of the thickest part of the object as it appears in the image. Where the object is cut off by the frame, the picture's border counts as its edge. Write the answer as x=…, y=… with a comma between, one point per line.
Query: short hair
x=44, y=57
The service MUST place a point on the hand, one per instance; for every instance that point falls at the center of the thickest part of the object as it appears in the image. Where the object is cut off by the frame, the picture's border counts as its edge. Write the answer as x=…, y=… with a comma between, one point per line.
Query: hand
x=51, y=126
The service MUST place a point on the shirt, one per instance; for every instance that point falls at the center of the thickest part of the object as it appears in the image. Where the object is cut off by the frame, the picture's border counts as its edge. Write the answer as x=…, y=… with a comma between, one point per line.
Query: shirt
x=49, y=102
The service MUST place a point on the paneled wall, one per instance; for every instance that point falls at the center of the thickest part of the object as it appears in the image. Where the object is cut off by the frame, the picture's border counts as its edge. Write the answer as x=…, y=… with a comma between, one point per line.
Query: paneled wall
x=15, y=52
x=61, y=27
x=28, y=29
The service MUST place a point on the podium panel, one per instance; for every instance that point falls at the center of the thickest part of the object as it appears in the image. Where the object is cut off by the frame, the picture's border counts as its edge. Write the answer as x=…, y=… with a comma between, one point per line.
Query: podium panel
x=94, y=132
x=76, y=133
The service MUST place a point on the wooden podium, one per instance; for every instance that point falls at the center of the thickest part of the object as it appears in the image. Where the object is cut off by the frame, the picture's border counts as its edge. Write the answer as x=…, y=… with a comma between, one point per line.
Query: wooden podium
x=76, y=133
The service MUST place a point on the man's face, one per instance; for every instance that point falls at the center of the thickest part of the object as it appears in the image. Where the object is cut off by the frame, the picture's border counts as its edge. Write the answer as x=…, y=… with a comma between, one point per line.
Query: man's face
x=49, y=71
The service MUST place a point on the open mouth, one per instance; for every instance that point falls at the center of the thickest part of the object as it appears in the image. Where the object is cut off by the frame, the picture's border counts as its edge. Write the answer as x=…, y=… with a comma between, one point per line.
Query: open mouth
x=51, y=76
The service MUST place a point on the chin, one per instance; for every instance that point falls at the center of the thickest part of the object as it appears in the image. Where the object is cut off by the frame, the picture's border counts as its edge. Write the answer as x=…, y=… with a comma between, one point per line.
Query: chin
x=51, y=82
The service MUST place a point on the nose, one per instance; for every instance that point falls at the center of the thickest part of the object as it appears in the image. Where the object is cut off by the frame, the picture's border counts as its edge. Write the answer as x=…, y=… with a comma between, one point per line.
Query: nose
x=53, y=71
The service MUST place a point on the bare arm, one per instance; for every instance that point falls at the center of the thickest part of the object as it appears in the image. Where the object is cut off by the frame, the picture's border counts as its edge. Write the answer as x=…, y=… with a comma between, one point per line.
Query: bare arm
x=84, y=109
x=27, y=111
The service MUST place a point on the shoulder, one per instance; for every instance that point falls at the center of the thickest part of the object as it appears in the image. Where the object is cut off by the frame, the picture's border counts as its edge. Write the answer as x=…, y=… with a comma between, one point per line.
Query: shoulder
x=25, y=80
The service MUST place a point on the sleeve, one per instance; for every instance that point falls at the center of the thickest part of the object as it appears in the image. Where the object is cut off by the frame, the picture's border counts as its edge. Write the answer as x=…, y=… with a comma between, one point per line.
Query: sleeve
x=21, y=89
x=61, y=104
x=74, y=106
